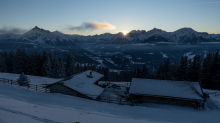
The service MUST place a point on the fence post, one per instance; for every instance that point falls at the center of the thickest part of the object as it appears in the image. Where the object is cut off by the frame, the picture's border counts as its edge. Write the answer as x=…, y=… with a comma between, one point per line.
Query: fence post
x=11, y=82
x=86, y=96
x=8, y=81
x=36, y=87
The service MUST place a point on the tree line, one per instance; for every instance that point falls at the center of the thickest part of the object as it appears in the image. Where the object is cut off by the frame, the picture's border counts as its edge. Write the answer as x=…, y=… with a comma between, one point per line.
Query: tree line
x=206, y=71
x=47, y=64
x=53, y=66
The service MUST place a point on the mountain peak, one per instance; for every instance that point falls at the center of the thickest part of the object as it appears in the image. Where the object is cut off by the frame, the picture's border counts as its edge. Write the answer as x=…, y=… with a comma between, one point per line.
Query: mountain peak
x=36, y=27
x=186, y=29
x=155, y=29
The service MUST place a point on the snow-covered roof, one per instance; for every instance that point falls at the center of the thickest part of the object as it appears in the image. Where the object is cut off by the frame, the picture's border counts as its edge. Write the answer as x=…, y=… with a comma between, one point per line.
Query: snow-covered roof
x=166, y=88
x=85, y=85
x=83, y=76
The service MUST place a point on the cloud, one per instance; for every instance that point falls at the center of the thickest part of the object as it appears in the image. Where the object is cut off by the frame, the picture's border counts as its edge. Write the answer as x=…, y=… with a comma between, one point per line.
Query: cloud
x=16, y=30
x=92, y=26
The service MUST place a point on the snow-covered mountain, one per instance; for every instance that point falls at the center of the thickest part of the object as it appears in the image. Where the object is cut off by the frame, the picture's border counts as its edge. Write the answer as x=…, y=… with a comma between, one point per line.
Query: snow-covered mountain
x=7, y=36
x=183, y=35
x=37, y=35
x=40, y=36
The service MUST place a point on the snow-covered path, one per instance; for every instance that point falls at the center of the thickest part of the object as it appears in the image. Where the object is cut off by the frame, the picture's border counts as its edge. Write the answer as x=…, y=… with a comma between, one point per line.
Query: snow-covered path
x=25, y=106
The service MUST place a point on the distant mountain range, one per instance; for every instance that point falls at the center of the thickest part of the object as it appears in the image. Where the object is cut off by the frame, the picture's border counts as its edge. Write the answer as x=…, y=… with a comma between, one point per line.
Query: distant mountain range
x=40, y=36
x=183, y=35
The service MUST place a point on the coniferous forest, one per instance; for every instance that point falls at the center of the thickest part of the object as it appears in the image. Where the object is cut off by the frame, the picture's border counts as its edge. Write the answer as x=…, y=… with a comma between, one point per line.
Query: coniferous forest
x=206, y=71
x=50, y=65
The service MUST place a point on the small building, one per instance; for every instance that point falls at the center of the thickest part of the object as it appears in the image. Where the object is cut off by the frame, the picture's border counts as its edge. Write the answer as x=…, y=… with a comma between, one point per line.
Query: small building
x=118, y=83
x=166, y=91
x=81, y=85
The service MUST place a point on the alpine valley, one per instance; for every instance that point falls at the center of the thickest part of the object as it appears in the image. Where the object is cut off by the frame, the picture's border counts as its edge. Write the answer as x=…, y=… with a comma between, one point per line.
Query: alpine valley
x=118, y=51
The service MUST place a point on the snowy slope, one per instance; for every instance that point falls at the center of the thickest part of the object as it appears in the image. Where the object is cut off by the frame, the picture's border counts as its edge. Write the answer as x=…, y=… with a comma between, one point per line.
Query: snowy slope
x=37, y=107
x=36, y=80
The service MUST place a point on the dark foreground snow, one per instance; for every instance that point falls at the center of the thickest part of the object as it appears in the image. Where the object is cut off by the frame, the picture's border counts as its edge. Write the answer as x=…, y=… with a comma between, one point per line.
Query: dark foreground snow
x=25, y=106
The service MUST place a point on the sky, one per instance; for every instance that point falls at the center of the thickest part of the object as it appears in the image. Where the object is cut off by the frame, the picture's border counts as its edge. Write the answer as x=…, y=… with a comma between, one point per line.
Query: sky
x=90, y=17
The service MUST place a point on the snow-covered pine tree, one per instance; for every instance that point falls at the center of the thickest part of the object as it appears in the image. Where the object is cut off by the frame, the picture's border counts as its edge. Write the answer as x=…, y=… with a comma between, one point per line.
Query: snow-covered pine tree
x=3, y=67
x=173, y=69
x=85, y=67
x=62, y=68
x=167, y=71
x=47, y=65
x=181, y=74
x=33, y=64
x=206, y=69
x=27, y=63
x=57, y=71
x=19, y=62
x=137, y=73
x=38, y=64
x=70, y=65
x=144, y=72
x=194, y=73
x=5, y=57
x=215, y=71
x=10, y=61
x=78, y=67
x=160, y=72
x=23, y=80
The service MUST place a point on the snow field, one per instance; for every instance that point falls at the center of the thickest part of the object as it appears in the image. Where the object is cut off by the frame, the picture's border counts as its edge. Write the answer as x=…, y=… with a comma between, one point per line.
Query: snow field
x=36, y=80
x=29, y=106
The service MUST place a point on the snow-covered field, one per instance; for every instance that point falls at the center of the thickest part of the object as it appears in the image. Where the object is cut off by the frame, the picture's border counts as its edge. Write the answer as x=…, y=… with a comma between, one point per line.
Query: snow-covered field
x=36, y=80
x=19, y=105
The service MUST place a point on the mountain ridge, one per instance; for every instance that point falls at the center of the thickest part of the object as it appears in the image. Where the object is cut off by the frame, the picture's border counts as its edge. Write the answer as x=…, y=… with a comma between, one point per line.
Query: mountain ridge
x=183, y=35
